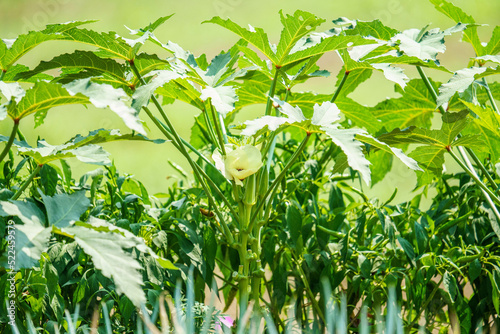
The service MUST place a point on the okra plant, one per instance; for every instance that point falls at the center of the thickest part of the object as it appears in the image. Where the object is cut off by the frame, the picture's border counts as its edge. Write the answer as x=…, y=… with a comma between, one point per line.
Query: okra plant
x=272, y=208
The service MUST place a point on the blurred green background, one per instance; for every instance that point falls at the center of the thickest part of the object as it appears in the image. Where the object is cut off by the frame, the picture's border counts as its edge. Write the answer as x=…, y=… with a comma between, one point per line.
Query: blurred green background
x=148, y=162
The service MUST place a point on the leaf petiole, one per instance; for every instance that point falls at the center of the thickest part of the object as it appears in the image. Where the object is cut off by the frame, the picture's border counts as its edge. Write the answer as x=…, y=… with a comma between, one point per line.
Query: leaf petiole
x=11, y=140
x=26, y=183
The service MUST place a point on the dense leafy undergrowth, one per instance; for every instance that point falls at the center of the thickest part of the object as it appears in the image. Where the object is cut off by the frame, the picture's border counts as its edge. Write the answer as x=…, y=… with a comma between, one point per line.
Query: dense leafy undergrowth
x=275, y=219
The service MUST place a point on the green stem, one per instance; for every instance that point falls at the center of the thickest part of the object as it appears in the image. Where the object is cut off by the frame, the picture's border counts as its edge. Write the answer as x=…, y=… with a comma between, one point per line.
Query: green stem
x=272, y=89
x=270, y=152
x=429, y=87
x=278, y=179
x=474, y=176
x=486, y=195
x=168, y=134
x=180, y=146
x=432, y=91
x=26, y=183
x=2, y=74
x=312, y=299
x=244, y=273
x=424, y=307
x=490, y=96
x=217, y=190
x=11, y=140
x=339, y=88
x=218, y=128
x=166, y=131
x=210, y=128
x=483, y=168
x=223, y=128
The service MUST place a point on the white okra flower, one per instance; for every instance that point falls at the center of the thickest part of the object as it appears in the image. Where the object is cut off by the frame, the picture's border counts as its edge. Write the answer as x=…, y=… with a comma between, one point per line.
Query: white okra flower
x=240, y=162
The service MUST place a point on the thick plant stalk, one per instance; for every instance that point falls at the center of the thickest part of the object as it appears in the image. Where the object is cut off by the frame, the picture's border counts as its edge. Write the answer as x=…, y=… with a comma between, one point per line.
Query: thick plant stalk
x=26, y=183
x=11, y=140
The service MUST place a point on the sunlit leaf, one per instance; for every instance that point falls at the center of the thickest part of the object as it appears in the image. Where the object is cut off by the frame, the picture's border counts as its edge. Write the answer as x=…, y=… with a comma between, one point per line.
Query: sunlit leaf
x=103, y=96
x=255, y=36
x=223, y=98
x=43, y=96
x=353, y=149
x=108, y=42
x=459, y=82
x=392, y=73
x=9, y=54
x=426, y=46
x=294, y=28
x=79, y=60
x=143, y=93
x=459, y=16
x=15, y=70
x=46, y=153
x=415, y=107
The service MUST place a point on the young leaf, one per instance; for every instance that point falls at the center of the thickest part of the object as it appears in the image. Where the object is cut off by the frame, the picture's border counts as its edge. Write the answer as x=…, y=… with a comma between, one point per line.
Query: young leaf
x=255, y=36
x=102, y=96
x=294, y=28
x=459, y=16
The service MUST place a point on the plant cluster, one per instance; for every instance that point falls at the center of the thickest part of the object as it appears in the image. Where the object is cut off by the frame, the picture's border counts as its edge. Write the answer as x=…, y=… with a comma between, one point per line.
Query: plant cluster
x=273, y=218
